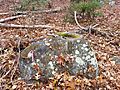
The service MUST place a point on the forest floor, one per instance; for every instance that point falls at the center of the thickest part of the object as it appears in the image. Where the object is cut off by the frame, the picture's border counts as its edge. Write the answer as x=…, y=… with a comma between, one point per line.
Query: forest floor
x=105, y=47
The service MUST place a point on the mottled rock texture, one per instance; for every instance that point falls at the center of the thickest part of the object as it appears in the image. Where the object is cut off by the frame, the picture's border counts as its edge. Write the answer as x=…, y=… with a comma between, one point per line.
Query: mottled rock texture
x=65, y=52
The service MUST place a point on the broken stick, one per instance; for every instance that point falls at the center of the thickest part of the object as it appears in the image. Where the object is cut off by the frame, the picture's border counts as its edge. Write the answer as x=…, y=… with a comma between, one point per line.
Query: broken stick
x=37, y=11
x=75, y=16
x=24, y=26
x=11, y=18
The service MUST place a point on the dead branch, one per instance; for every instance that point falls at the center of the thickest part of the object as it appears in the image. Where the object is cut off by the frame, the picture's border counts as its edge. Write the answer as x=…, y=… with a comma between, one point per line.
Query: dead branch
x=4, y=13
x=48, y=11
x=37, y=11
x=11, y=18
x=84, y=28
x=24, y=26
x=90, y=29
x=77, y=21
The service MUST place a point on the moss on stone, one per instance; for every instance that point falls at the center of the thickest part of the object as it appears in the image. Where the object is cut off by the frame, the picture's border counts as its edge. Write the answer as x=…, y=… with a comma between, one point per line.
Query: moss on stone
x=68, y=35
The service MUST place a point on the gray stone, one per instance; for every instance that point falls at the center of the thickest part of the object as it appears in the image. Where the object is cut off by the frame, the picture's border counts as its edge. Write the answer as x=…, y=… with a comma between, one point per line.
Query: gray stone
x=58, y=54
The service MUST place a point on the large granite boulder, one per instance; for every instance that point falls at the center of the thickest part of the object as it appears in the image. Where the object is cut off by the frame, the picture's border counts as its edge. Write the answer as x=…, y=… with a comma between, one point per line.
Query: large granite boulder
x=65, y=52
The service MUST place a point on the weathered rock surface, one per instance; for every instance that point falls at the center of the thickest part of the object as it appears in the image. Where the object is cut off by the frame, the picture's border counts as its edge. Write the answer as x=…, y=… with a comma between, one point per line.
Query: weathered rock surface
x=58, y=54
x=116, y=59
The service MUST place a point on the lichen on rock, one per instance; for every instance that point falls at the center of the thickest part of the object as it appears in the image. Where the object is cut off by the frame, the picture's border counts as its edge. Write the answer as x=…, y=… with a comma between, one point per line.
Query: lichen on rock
x=58, y=54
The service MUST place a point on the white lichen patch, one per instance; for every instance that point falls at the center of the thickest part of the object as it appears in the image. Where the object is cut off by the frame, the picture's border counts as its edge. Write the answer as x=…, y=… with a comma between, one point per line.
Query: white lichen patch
x=48, y=44
x=84, y=45
x=87, y=57
x=51, y=65
x=91, y=53
x=77, y=52
x=50, y=39
x=76, y=46
x=83, y=57
x=56, y=56
x=33, y=63
x=37, y=60
x=86, y=49
x=79, y=61
x=50, y=55
x=56, y=69
x=78, y=41
x=82, y=48
x=53, y=72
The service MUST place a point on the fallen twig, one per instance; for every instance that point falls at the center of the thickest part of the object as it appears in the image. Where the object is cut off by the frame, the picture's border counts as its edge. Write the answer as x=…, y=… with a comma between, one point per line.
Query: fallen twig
x=91, y=29
x=24, y=26
x=11, y=18
x=37, y=11
x=77, y=21
x=4, y=13
x=46, y=11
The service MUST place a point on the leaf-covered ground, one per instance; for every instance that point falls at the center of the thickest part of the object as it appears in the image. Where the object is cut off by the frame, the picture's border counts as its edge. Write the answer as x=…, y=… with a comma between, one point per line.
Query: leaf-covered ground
x=106, y=47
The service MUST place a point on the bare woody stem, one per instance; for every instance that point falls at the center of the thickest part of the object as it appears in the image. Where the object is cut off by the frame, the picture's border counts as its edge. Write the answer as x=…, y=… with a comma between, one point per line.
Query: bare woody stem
x=75, y=16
